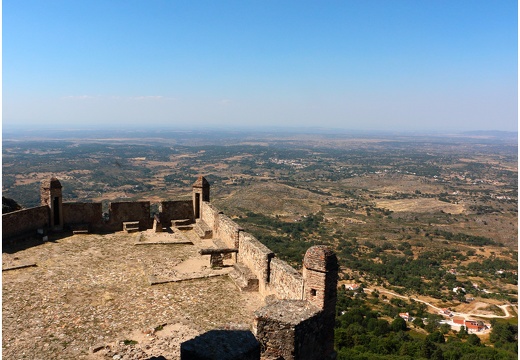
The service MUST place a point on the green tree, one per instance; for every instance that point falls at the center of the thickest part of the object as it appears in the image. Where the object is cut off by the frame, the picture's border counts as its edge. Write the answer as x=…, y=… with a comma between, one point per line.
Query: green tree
x=436, y=337
x=503, y=332
x=418, y=322
x=445, y=328
x=398, y=324
x=473, y=340
x=433, y=323
x=427, y=348
x=463, y=332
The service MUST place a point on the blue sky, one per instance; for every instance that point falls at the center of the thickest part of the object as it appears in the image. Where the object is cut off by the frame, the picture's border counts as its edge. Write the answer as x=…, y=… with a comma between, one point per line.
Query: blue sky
x=361, y=65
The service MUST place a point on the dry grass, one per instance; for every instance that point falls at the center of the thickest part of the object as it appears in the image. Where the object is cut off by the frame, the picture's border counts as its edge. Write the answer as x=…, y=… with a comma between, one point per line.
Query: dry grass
x=420, y=206
x=273, y=198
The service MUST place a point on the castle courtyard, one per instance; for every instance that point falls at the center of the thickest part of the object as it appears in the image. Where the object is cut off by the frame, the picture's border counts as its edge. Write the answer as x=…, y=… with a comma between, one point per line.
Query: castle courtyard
x=116, y=296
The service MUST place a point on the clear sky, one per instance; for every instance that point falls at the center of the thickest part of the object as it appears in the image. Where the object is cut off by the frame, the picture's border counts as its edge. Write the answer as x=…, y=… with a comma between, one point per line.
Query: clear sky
x=352, y=64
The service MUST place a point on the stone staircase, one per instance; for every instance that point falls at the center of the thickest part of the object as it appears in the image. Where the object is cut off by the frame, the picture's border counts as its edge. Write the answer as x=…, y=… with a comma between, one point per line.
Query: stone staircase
x=203, y=230
x=243, y=278
x=183, y=224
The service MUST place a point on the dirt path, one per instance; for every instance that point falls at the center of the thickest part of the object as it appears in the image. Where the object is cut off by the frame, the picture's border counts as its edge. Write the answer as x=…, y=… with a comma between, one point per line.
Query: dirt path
x=464, y=315
x=491, y=316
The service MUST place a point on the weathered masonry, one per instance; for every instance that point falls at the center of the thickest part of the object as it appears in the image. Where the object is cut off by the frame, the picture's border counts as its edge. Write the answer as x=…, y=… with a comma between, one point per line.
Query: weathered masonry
x=297, y=321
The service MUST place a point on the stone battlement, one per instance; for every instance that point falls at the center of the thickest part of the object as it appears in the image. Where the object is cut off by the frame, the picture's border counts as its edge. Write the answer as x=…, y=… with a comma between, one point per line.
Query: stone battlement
x=302, y=326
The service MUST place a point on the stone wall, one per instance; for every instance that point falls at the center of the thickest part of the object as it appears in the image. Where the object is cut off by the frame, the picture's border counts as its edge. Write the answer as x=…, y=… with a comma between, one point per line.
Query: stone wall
x=257, y=257
x=129, y=211
x=209, y=214
x=278, y=328
x=299, y=325
x=176, y=210
x=227, y=230
x=315, y=338
x=284, y=281
x=84, y=213
x=74, y=213
x=294, y=330
x=25, y=221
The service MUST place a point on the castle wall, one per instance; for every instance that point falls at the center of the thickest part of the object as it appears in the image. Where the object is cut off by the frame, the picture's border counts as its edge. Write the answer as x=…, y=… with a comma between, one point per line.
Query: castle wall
x=294, y=330
x=84, y=213
x=257, y=257
x=300, y=325
x=25, y=221
x=176, y=210
x=284, y=281
x=227, y=231
x=277, y=338
x=209, y=214
x=129, y=211
x=314, y=338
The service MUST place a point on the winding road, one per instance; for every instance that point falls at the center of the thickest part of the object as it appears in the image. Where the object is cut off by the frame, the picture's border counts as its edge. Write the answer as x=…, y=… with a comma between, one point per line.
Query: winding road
x=464, y=315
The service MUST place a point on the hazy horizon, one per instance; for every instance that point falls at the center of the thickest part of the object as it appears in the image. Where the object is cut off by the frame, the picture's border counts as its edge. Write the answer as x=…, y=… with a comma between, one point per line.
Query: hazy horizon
x=75, y=132
x=357, y=66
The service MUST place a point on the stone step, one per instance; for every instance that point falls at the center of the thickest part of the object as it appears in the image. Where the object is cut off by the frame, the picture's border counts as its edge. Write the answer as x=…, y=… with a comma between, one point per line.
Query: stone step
x=243, y=278
x=80, y=228
x=79, y=232
x=203, y=230
x=184, y=227
x=181, y=222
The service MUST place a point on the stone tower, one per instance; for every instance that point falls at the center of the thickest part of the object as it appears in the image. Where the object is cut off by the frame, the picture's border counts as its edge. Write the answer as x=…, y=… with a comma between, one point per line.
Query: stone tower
x=320, y=276
x=320, y=287
x=303, y=329
x=200, y=194
x=51, y=196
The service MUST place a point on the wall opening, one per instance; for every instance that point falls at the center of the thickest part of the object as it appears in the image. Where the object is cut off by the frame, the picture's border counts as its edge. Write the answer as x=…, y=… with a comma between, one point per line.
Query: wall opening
x=56, y=209
x=268, y=277
x=313, y=292
x=197, y=205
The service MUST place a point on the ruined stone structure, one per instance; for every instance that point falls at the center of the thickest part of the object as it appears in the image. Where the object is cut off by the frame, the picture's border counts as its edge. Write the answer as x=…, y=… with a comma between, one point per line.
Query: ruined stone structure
x=297, y=321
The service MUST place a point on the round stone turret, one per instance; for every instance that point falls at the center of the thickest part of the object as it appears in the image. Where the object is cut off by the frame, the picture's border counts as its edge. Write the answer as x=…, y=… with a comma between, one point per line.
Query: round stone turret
x=320, y=258
x=320, y=276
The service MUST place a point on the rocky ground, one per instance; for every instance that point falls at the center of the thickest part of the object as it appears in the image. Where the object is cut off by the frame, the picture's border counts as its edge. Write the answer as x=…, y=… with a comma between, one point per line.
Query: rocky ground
x=89, y=297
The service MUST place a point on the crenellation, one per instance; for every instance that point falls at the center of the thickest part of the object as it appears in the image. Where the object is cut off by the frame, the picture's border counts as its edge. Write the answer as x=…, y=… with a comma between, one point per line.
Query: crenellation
x=129, y=211
x=175, y=210
x=83, y=213
x=298, y=320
